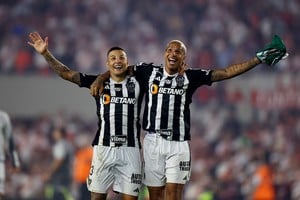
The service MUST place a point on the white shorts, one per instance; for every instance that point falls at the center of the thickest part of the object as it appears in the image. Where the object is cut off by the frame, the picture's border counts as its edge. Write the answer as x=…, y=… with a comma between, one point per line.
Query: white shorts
x=117, y=166
x=165, y=161
x=2, y=177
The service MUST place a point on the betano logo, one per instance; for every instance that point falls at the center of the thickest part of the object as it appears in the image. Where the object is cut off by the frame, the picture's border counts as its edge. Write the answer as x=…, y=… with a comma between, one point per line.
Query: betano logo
x=106, y=99
x=154, y=89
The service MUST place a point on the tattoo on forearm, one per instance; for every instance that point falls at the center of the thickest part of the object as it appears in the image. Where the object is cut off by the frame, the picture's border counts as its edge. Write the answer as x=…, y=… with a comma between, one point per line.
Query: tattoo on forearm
x=234, y=70
x=57, y=66
x=237, y=69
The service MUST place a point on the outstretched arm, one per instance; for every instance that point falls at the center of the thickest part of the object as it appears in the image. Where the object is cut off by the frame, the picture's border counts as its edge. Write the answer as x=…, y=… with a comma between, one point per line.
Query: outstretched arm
x=234, y=70
x=270, y=55
x=41, y=46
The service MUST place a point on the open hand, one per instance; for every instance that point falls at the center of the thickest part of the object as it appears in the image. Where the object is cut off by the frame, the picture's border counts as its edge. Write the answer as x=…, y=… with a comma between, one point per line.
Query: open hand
x=38, y=43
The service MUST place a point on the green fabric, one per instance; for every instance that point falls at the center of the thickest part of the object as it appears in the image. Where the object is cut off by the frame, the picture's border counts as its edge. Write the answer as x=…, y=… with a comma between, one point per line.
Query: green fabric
x=207, y=195
x=273, y=52
x=144, y=194
x=50, y=190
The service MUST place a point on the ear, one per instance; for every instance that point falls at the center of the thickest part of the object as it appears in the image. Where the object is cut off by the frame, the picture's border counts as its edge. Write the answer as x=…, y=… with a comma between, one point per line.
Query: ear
x=183, y=63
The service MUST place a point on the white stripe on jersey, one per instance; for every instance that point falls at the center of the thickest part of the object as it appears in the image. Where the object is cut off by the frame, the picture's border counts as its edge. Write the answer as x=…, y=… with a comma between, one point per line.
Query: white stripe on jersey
x=112, y=111
x=101, y=136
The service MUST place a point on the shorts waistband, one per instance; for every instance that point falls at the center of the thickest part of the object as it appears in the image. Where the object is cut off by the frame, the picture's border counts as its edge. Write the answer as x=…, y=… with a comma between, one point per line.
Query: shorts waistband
x=166, y=134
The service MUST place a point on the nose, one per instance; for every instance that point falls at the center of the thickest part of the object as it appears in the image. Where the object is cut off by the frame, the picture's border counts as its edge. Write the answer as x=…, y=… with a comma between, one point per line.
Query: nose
x=118, y=60
x=174, y=53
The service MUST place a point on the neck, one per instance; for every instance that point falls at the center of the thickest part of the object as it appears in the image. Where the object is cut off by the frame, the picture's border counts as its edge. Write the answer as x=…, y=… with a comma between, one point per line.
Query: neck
x=118, y=78
x=170, y=72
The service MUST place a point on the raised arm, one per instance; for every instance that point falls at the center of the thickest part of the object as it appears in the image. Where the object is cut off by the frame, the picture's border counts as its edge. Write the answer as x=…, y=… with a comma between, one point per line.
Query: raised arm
x=270, y=55
x=234, y=70
x=41, y=46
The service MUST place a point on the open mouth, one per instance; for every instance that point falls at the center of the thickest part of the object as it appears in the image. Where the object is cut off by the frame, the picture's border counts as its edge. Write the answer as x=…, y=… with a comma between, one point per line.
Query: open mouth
x=118, y=67
x=172, y=61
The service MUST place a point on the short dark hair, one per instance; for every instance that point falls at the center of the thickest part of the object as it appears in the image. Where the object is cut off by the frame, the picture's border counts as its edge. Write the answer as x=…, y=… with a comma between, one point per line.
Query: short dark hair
x=113, y=49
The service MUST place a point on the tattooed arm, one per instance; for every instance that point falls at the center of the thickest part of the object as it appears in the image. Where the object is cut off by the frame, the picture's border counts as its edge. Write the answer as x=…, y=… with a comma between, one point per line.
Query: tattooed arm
x=41, y=46
x=234, y=70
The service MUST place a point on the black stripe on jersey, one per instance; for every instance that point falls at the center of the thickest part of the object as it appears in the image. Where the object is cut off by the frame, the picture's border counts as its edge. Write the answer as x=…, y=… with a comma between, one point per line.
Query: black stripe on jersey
x=165, y=107
x=106, y=137
x=176, y=117
x=154, y=100
x=130, y=118
x=153, y=110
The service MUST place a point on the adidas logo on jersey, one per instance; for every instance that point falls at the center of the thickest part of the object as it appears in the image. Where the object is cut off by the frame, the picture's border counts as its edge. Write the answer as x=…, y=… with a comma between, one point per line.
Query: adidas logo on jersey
x=157, y=78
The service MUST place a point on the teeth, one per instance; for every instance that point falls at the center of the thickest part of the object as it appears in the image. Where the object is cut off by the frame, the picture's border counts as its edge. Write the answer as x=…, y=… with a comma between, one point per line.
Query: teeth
x=172, y=61
x=118, y=67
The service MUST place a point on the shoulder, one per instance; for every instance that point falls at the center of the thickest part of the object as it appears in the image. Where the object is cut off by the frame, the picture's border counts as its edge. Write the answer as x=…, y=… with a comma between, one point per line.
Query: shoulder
x=147, y=65
x=144, y=70
x=199, y=76
x=87, y=76
x=86, y=80
x=198, y=71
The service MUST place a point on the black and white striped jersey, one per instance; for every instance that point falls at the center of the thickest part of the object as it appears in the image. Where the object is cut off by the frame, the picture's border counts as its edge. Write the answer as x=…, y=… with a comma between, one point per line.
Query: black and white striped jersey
x=168, y=98
x=118, y=110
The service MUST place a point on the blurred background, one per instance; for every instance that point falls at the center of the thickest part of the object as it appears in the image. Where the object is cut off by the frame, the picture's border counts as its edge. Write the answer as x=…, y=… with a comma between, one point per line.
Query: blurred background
x=245, y=131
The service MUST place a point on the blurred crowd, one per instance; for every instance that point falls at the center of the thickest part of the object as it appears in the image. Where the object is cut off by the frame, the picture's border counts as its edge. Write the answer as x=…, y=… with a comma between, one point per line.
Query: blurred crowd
x=228, y=155
x=240, y=129
x=216, y=32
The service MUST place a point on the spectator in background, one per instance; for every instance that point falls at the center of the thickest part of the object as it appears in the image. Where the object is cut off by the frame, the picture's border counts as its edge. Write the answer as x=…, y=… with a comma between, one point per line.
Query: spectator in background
x=262, y=181
x=81, y=166
x=58, y=176
x=6, y=145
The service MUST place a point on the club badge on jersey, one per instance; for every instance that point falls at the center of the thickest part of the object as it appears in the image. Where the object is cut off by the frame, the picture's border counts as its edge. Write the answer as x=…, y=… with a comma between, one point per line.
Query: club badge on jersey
x=180, y=80
x=130, y=86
